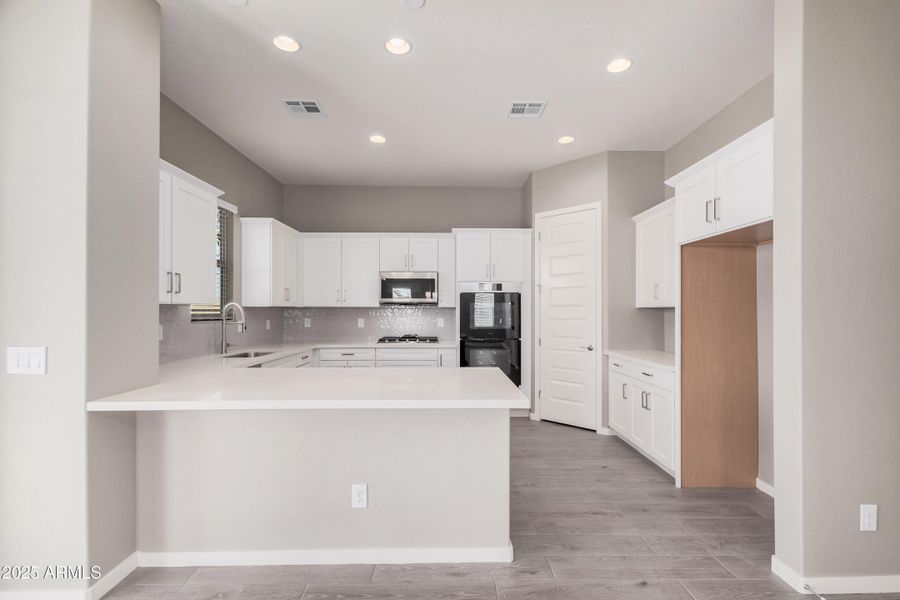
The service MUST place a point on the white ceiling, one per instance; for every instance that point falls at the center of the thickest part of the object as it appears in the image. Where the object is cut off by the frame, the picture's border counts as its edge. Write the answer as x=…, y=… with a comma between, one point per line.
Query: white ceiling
x=442, y=106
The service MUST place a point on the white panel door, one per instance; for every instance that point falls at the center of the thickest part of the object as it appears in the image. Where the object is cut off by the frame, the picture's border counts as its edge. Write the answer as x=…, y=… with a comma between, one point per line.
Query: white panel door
x=423, y=254
x=394, y=253
x=194, y=214
x=694, y=204
x=568, y=278
x=670, y=251
x=641, y=417
x=166, y=277
x=321, y=271
x=360, y=278
x=620, y=401
x=285, y=267
x=508, y=256
x=744, y=185
x=648, y=258
x=446, y=272
x=662, y=416
x=473, y=256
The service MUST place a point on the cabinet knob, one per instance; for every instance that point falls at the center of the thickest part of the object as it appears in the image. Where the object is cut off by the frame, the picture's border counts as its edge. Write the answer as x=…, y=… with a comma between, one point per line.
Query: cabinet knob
x=589, y=348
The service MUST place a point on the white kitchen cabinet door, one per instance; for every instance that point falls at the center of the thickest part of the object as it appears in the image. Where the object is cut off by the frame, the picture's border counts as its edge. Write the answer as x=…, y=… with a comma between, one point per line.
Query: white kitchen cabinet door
x=621, y=392
x=744, y=185
x=508, y=256
x=166, y=276
x=670, y=251
x=446, y=272
x=394, y=252
x=641, y=417
x=360, y=278
x=285, y=266
x=662, y=441
x=194, y=215
x=648, y=260
x=321, y=271
x=423, y=254
x=694, y=200
x=448, y=357
x=473, y=256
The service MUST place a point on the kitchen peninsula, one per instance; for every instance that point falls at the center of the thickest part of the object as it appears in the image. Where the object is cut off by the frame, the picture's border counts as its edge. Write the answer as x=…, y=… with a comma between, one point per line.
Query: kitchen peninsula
x=239, y=465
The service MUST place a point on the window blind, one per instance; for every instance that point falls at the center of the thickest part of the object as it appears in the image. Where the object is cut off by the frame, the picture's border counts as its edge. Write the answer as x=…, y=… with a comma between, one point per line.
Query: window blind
x=224, y=270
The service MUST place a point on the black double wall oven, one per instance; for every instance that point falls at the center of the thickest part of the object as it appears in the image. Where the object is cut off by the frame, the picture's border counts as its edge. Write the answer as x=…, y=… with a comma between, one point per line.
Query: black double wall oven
x=490, y=333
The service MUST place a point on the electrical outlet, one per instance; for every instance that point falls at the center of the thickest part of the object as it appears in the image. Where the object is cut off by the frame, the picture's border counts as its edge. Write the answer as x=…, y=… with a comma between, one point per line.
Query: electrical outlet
x=359, y=495
x=306, y=322
x=360, y=322
x=868, y=517
x=268, y=324
x=440, y=323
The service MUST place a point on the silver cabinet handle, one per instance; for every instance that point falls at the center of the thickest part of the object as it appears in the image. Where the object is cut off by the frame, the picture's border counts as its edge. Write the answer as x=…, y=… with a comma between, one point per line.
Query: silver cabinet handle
x=348, y=354
x=287, y=294
x=644, y=400
x=487, y=270
x=625, y=391
x=177, y=283
x=344, y=297
x=615, y=364
x=646, y=374
x=708, y=202
x=168, y=282
x=440, y=360
x=494, y=270
x=406, y=261
x=647, y=402
x=339, y=296
x=304, y=357
x=716, y=209
x=412, y=260
x=589, y=347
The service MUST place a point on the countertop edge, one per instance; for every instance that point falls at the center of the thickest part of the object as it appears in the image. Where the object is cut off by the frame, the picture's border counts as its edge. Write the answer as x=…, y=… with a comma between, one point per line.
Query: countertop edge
x=201, y=405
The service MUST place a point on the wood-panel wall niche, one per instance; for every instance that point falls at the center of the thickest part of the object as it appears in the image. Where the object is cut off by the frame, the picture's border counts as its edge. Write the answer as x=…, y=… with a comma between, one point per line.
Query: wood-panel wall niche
x=719, y=370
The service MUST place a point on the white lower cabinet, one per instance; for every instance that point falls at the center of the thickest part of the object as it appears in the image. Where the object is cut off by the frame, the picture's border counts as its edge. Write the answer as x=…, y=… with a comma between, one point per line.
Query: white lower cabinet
x=406, y=357
x=301, y=359
x=347, y=357
x=642, y=408
x=448, y=357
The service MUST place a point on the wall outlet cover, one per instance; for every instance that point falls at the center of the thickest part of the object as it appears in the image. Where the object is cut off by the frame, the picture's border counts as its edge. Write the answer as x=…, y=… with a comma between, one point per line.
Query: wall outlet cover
x=307, y=322
x=440, y=323
x=26, y=360
x=360, y=322
x=868, y=517
x=359, y=495
x=268, y=324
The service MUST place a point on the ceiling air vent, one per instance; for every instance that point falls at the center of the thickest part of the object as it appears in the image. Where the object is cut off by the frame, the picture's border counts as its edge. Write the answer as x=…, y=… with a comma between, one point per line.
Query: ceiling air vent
x=526, y=110
x=304, y=108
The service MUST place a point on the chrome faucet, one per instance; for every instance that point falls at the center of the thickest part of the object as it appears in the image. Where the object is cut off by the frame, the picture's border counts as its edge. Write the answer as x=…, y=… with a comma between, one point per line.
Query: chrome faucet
x=241, y=323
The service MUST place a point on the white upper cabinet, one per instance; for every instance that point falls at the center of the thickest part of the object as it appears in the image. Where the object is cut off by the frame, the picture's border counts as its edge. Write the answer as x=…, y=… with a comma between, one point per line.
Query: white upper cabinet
x=729, y=189
x=409, y=253
x=360, y=279
x=270, y=261
x=492, y=255
x=341, y=271
x=446, y=272
x=188, y=212
x=321, y=271
x=656, y=255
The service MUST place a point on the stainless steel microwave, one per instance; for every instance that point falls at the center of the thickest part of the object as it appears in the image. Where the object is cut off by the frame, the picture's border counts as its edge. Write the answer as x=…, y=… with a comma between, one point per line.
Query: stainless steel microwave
x=406, y=287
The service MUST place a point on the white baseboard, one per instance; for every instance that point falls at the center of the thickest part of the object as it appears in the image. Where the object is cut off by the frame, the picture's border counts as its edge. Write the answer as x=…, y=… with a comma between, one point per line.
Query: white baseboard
x=866, y=584
x=605, y=431
x=765, y=488
x=519, y=412
x=112, y=578
x=329, y=556
x=533, y=416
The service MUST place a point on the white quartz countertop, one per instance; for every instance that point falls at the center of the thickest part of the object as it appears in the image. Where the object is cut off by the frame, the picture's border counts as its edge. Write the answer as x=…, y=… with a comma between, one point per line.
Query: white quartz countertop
x=650, y=358
x=214, y=383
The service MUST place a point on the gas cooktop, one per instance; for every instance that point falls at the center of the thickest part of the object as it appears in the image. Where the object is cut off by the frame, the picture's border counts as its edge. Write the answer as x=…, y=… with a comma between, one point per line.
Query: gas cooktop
x=409, y=338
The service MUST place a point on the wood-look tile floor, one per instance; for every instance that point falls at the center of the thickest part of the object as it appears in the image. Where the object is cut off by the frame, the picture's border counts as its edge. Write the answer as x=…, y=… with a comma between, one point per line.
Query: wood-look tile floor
x=591, y=519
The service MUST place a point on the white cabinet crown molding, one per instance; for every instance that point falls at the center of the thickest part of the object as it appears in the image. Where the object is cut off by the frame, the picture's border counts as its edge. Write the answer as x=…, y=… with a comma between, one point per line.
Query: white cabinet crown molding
x=192, y=179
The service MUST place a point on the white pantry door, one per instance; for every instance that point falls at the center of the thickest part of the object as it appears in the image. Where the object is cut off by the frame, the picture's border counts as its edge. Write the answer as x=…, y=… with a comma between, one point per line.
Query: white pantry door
x=569, y=340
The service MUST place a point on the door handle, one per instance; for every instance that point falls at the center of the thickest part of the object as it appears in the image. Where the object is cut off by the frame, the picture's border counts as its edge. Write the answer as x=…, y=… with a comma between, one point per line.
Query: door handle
x=169, y=282
x=708, y=202
x=716, y=209
x=177, y=283
x=589, y=347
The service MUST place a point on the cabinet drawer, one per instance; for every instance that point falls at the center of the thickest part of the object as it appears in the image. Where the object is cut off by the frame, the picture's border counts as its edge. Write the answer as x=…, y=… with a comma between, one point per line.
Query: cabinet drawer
x=407, y=363
x=647, y=375
x=407, y=354
x=347, y=354
x=287, y=361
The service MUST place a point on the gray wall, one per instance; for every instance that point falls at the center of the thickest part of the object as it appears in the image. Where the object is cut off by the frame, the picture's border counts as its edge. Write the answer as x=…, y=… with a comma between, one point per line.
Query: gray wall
x=426, y=209
x=625, y=183
x=836, y=251
x=189, y=145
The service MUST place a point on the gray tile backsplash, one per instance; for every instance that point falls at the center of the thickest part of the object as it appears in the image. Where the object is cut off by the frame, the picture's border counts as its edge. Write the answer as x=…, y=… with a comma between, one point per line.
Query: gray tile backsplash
x=184, y=339
x=338, y=325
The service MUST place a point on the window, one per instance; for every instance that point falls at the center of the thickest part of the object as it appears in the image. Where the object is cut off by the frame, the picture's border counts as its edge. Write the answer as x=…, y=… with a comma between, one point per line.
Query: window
x=224, y=270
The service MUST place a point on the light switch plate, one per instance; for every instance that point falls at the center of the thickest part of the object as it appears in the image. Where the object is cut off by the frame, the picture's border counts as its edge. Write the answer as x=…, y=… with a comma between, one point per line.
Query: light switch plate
x=440, y=323
x=268, y=324
x=26, y=360
x=359, y=495
x=306, y=322
x=360, y=322
x=868, y=517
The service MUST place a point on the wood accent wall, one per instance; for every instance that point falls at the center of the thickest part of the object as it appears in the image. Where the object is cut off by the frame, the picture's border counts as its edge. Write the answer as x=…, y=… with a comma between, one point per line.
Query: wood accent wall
x=719, y=371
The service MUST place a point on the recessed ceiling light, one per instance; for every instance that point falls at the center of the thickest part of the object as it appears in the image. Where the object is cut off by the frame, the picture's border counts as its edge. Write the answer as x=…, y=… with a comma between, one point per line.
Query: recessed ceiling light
x=619, y=65
x=566, y=139
x=397, y=46
x=377, y=139
x=413, y=3
x=286, y=43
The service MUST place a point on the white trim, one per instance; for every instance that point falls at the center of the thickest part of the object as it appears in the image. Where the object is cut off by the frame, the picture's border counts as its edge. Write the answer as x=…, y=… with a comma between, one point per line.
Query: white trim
x=765, y=488
x=758, y=131
x=533, y=416
x=228, y=206
x=328, y=556
x=606, y=431
x=657, y=208
x=864, y=584
x=191, y=179
x=112, y=578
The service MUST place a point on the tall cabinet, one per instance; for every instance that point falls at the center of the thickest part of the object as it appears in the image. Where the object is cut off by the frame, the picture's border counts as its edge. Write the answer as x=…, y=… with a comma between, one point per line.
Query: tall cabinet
x=188, y=211
x=656, y=254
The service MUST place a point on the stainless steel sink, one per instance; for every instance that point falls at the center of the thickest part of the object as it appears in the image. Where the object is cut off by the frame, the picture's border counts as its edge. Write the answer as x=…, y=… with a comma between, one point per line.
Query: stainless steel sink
x=250, y=354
